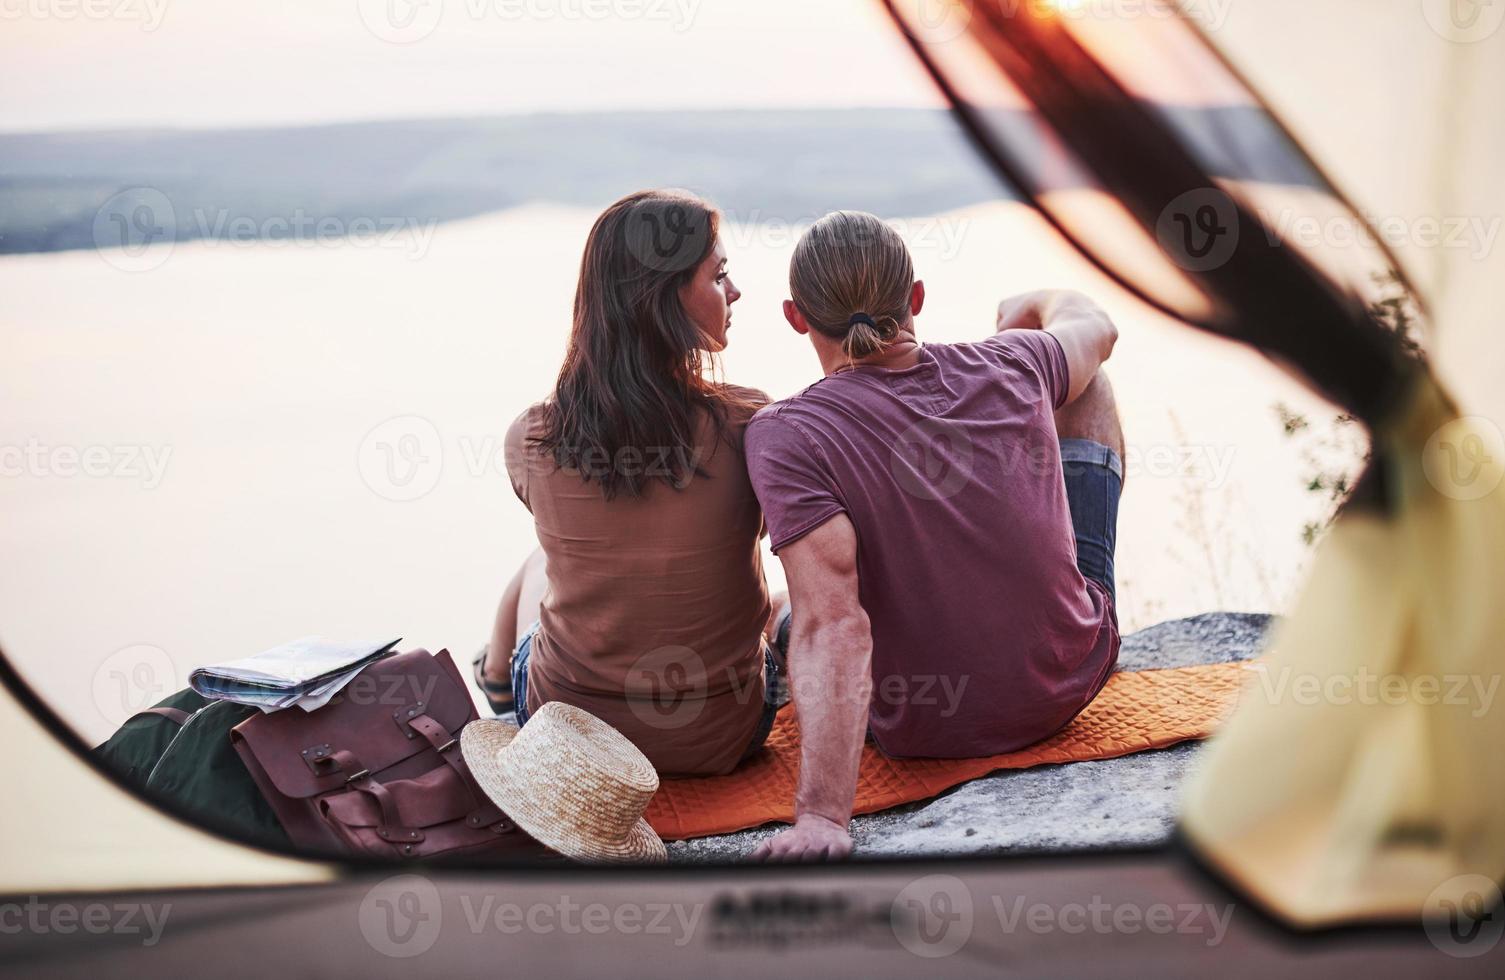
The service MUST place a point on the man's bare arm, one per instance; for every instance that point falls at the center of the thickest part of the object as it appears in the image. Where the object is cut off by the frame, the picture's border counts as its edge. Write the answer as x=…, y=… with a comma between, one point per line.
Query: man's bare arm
x=830, y=663
x=1086, y=333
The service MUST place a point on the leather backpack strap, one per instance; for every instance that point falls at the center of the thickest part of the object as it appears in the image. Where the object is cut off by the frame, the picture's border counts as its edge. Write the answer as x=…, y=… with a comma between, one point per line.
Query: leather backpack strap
x=176, y=715
x=486, y=813
x=391, y=829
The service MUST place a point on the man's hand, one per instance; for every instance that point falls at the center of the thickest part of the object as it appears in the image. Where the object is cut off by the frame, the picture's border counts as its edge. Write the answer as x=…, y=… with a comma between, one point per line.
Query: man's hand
x=1086, y=333
x=1036, y=309
x=812, y=838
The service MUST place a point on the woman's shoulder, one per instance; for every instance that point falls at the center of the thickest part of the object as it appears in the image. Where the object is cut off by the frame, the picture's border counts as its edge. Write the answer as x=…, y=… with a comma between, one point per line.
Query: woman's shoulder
x=521, y=441
x=742, y=402
x=529, y=422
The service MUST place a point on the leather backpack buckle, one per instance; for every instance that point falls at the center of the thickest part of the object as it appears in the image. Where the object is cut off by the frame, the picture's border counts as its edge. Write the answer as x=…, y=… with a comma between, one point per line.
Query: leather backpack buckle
x=404, y=715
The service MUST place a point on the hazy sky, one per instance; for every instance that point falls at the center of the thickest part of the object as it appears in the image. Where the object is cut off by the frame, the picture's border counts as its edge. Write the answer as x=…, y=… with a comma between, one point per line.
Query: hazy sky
x=89, y=63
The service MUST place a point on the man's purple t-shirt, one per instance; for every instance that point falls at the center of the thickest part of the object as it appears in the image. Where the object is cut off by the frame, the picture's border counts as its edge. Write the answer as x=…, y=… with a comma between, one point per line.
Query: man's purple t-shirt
x=986, y=637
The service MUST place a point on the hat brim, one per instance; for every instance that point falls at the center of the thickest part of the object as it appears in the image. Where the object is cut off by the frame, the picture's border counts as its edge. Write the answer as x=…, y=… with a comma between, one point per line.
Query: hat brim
x=483, y=742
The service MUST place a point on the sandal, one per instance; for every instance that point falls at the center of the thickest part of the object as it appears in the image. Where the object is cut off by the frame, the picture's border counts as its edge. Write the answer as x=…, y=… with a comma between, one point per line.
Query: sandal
x=498, y=693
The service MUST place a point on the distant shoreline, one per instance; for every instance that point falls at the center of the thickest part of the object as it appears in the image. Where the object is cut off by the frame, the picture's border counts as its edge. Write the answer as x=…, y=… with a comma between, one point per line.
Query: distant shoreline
x=111, y=188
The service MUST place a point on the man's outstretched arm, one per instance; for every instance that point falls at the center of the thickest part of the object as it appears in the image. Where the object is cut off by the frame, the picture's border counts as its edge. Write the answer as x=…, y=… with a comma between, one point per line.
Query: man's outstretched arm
x=1086, y=333
x=830, y=664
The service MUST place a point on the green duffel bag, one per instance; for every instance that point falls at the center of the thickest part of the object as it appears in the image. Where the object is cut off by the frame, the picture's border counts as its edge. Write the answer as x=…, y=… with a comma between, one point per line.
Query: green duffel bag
x=178, y=751
x=136, y=746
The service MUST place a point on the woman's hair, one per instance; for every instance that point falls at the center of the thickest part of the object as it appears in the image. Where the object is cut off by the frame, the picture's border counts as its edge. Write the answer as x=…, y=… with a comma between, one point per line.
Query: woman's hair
x=851, y=277
x=626, y=404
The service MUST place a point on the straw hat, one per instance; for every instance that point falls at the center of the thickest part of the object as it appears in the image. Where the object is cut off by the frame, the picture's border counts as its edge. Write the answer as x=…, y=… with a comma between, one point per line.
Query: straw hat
x=570, y=780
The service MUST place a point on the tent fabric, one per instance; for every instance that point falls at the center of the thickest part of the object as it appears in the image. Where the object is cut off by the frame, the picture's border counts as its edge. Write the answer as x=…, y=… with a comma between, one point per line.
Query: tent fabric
x=1364, y=778
x=69, y=828
x=1377, y=794
x=1406, y=119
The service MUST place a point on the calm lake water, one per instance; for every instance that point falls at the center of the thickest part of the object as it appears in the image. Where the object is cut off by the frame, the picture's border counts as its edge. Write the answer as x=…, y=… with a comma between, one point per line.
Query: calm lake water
x=214, y=448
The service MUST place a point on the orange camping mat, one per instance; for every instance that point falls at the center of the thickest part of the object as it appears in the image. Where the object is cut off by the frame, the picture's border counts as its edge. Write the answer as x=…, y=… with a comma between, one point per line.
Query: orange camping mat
x=1135, y=711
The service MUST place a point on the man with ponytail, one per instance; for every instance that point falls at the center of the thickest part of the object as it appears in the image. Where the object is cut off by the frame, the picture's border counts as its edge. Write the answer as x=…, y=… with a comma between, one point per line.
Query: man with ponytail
x=945, y=514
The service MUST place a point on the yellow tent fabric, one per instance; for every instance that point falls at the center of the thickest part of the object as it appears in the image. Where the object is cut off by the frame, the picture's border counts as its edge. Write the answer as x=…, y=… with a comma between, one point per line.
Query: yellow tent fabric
x=1362, y=773
x=1352, y=804
x=70, y=829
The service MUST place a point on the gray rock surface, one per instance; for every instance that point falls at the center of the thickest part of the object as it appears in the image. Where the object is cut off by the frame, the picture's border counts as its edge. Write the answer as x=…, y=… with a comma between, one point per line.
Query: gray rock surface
x=1125, y=802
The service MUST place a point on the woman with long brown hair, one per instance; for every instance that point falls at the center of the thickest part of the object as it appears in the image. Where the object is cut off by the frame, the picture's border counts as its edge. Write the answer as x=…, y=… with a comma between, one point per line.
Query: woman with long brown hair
x=645, y=603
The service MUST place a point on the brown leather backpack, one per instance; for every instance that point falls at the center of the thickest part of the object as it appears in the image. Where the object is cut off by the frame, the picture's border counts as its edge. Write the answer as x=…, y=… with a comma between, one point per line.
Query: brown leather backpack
x=378, y=772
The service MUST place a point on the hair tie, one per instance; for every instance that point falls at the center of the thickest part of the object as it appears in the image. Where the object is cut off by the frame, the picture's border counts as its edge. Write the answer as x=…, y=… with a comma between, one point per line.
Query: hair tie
x=857, y=318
